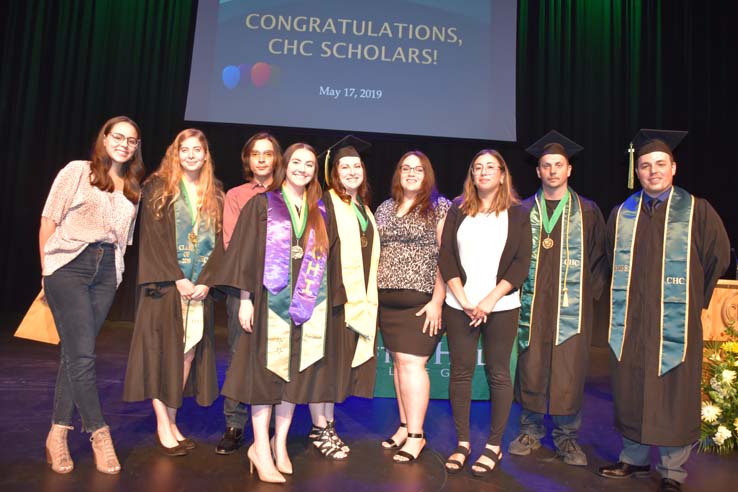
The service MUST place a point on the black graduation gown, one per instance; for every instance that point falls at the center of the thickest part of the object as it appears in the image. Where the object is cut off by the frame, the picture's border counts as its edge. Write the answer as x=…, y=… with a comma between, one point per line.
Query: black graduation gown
x=549, y=377
x=356, y=381
x=156, y=357
x=652, y=409
x=248, y=380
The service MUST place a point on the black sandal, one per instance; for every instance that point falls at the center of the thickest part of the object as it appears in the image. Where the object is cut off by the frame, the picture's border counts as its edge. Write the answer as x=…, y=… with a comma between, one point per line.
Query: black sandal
x=328, y=447
x=334, y=435
x=459, y=464
x=486, y=469
x=389, y=443
x=409, y=458
x=314, y=434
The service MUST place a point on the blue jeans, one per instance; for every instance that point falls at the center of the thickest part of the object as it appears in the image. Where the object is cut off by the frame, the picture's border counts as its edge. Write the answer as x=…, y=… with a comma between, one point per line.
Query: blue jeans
x=236, y=413
x=80, y=295
x=671, y=458
x=566, y=426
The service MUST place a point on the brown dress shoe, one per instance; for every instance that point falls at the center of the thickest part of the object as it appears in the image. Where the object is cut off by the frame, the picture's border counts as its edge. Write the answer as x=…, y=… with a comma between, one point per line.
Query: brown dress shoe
x=624, y=470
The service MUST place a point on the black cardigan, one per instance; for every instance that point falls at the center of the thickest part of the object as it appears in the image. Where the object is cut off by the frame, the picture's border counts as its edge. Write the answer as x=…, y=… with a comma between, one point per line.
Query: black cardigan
x=515, y=259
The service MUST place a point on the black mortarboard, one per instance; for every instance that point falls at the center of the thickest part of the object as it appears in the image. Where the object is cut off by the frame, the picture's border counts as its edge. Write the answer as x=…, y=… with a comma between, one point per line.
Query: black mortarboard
x=649, y=140
x=554, y=143
x=347, y=146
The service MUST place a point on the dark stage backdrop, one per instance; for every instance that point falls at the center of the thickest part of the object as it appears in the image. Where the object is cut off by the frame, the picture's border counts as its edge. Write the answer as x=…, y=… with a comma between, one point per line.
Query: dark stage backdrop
x=594, y=70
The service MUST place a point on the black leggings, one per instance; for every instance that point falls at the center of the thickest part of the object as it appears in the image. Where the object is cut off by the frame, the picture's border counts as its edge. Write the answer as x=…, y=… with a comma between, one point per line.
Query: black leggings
x=498, y=335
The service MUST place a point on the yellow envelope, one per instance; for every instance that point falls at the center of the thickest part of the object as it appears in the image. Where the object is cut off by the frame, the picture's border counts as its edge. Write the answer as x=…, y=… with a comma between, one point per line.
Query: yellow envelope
x=38, y=323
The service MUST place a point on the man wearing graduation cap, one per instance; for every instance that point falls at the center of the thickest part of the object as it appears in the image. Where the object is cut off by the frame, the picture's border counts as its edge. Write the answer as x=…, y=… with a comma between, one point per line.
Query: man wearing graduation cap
x=567, y=273
x=678, y=247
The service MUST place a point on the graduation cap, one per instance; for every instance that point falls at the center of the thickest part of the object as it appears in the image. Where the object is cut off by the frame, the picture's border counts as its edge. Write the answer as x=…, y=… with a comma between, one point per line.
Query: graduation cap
x=649, y=140
x=554, y=143
x=348, y=146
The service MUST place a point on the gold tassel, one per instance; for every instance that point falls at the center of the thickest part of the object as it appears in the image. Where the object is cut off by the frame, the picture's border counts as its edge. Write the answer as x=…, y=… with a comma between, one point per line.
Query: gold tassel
x=325, y=168
x=565, y=301
x=631, y=167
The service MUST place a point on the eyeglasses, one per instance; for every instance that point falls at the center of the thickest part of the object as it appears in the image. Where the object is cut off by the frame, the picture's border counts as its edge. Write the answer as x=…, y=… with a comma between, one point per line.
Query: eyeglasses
x=119, y=138
x=268, y=154
x=417, y=170
x=486, y=169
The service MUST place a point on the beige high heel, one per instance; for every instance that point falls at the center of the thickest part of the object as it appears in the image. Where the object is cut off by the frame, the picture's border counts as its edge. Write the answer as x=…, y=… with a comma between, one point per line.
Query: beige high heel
x=282, y=469
x=274, y=477
x=57, y=451
x=106, y=460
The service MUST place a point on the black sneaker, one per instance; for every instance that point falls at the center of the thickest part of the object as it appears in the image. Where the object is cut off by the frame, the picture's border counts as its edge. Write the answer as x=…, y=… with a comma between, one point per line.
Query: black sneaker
x=232, y=440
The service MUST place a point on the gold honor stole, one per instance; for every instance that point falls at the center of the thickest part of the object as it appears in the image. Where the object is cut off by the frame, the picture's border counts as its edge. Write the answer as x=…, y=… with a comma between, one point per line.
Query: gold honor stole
x=571, y=266
x=306, y=305
x=361, y=304
x=675, y=257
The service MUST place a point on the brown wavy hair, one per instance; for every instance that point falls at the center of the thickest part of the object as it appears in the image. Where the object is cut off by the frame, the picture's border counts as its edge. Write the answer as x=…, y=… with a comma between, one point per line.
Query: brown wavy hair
x=100, y=163
x=314, y=193
x=506, y=195
x=249, y=146
x=426, y=198
x=209, y=188
x=364, y=191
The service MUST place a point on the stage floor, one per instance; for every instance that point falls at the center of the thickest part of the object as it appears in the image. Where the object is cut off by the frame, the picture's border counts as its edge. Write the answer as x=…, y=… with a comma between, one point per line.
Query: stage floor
x=27, y=375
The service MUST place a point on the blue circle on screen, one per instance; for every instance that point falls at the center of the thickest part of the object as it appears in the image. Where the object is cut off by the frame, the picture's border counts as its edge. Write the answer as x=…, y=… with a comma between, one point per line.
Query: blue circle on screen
x=231, y=76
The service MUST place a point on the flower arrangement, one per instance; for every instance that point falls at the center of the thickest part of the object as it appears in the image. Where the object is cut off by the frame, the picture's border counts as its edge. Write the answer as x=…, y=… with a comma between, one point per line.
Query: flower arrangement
x=720, y=395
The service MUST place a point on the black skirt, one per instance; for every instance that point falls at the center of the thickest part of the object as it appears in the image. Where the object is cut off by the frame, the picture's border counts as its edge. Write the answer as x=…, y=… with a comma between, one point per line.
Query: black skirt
x=401, y=330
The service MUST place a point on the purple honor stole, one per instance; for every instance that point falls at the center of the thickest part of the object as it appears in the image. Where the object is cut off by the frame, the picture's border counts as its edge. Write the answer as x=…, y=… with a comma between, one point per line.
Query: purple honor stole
x=305, y=306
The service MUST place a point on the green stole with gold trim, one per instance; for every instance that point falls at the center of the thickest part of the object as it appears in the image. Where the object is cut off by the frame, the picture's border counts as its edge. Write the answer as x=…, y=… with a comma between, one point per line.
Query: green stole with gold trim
x=571, y=266
x=674, y=295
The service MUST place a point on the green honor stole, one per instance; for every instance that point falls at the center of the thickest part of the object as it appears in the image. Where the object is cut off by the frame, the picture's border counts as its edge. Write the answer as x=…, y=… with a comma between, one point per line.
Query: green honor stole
x=571, y=266
x=305, y=305
x=362, y=302
x=674, y=295
x=195, y=241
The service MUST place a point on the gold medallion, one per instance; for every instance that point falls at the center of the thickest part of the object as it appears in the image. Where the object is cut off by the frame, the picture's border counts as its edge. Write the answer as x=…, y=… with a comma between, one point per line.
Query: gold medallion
x=192, y=237
x=296, y=252
x=364, y=241
x=548, y=243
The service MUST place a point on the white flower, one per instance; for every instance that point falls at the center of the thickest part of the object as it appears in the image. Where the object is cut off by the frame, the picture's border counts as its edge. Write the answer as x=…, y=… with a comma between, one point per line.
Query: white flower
x=735, y=363
x=721, y=435
x=710, y=412
x=715, y=357
x=728, y=376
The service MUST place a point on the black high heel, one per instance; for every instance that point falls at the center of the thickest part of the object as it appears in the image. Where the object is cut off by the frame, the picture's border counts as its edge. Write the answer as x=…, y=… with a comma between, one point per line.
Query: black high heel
x=409, y=458
x=389, y=443
x=486, y=470
x=459, y=464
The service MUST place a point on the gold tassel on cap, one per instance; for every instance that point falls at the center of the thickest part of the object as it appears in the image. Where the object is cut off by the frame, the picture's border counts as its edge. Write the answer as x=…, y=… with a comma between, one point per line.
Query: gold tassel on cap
x=631, y=167
x=325, y=167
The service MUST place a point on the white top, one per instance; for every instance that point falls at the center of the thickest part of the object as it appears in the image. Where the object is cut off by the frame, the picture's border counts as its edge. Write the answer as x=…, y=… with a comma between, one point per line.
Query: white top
x=481, y=240
x=85, y=214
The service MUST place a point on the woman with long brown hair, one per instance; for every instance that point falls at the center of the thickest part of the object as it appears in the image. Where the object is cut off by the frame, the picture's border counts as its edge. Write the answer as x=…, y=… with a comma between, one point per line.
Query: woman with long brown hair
x=283, y=258
x=86, y=224
x=410, y=292
x=484, y=259
x=174, y=327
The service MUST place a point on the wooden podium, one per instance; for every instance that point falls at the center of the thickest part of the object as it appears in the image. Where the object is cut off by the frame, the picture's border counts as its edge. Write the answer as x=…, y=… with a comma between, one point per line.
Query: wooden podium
x=722, y=311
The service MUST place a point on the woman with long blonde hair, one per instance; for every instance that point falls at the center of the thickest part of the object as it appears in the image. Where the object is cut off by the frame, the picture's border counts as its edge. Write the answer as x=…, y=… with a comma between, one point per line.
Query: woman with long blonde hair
x=174, y=328
x=283, y=258
x=484, y=259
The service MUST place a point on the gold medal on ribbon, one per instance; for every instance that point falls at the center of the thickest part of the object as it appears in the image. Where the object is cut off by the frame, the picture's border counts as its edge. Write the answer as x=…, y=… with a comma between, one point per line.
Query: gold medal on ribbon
x=364, y=241
x=548, y=243
x=192, y=236
x=296, y=252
